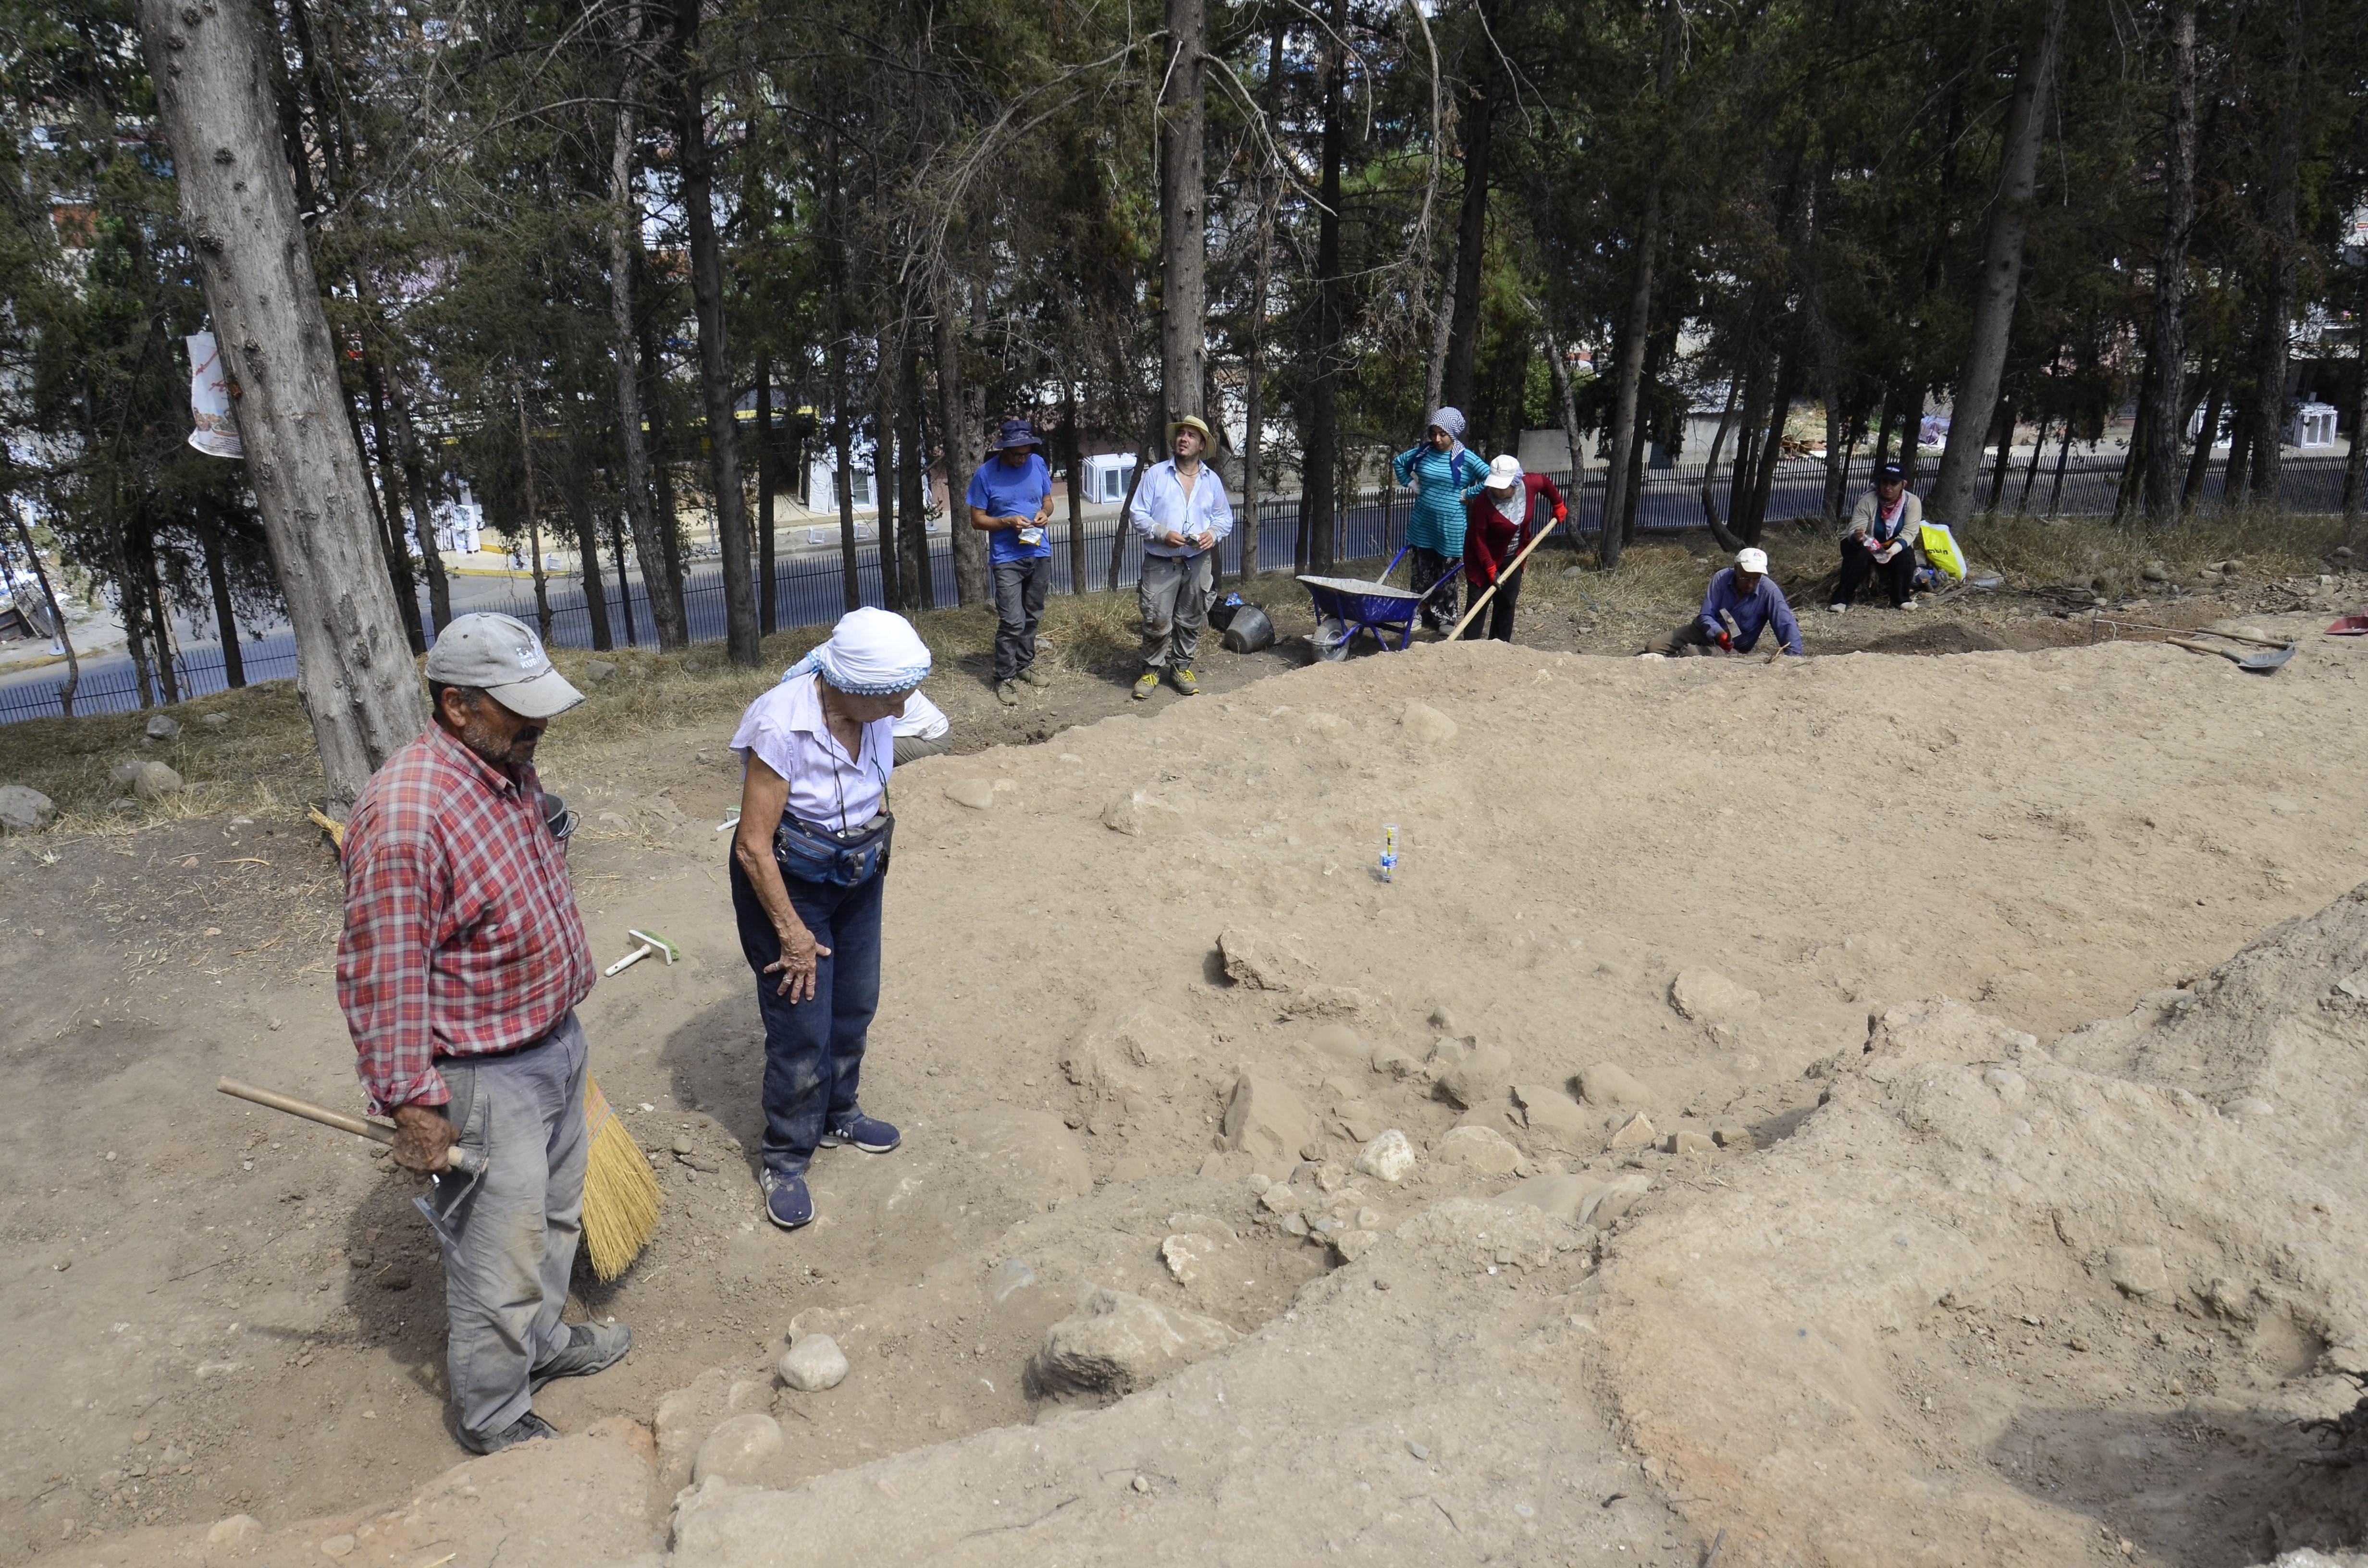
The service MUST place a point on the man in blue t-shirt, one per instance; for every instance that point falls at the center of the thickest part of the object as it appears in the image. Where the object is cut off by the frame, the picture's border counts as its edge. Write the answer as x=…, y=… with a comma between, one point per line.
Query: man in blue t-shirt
x=1011, y=500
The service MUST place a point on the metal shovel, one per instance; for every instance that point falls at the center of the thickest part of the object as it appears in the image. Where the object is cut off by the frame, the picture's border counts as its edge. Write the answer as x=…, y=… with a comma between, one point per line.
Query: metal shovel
x=2268, y=661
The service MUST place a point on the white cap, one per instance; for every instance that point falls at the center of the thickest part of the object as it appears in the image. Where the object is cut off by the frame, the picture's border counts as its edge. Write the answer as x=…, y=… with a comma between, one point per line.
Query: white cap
x=1504, y=471
x=501, y=656
x=1748, y=560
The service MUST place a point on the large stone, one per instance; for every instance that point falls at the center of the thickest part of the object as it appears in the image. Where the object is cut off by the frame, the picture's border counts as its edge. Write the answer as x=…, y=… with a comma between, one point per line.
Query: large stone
x=2137, y=1270
x=1479, y=1078
x=1583, y=1199
x=1481, y=1149
x=1425, y=725
x=1265, y=1120
x=163, y=727
x=1389, y=1157
x=597, y=670
x=739, y=1449
x=155, y=781
x=1552, y=1114
x=1142, y=814
x=24, y=809
x=1637, y=1132
x=215, y=720
x=814, y=1363
x=1364, y=1120
x=1709, y=997
x=1117, y=1343
x=978, y=794
x=1261, y=962
x=1337, y=1040
x=1187, y=1255
x=1608, y=1084
x=124, y=774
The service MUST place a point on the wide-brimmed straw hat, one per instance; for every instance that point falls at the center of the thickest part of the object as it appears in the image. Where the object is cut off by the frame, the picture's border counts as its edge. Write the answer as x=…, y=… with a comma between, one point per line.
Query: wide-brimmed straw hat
x=1193, y=422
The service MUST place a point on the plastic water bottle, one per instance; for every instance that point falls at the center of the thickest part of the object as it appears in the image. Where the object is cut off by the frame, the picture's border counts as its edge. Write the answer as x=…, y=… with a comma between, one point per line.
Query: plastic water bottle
x=1389, y=851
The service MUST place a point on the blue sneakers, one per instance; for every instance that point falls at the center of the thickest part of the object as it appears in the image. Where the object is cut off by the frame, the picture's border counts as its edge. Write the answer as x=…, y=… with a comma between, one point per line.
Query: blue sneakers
x=868, y=1134
x=786, y=1202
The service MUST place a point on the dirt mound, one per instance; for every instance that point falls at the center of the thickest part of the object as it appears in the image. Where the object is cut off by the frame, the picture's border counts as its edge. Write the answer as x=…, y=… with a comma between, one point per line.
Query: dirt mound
x=2018, y=1292
x=1937, y=637
x=1636, y=902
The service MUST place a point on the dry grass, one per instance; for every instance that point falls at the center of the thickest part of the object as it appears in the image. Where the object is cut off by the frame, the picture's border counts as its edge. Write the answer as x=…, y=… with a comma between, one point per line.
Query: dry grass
x=261, y=760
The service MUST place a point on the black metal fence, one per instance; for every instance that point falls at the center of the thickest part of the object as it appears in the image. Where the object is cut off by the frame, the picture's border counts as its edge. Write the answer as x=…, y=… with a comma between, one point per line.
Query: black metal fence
x=811, y=584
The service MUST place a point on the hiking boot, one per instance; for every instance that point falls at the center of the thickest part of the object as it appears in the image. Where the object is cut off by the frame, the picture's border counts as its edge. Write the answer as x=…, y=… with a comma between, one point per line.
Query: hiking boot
x=525, y=1429
x=1186, y=682
x=868, y=1134
x=1035, y=677
x=1145, y=683
x=786, y=1202
x=591, y=1347
x=1008, y=693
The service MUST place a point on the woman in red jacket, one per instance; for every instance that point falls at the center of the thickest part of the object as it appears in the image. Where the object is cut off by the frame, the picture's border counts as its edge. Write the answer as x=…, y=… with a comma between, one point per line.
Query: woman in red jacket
x=1500, y=521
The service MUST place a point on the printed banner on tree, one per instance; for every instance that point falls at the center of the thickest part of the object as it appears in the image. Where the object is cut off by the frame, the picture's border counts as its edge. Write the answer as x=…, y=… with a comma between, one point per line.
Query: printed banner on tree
x=217, y=428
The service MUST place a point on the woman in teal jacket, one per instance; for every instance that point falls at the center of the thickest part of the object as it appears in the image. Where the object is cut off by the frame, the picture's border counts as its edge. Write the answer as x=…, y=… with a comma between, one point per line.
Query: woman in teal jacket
x=1438, y=471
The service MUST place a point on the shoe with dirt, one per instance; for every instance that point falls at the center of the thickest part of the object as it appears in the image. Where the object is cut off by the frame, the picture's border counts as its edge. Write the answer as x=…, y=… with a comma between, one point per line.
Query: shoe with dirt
x=786, y=1202
x=1835, y=610
x=1145, y=683
x=855, y=1129
x=525, y=1429
x=1008, y=693
x=1906, y=604
x=1186, y=681
x=591, y=1347
x=1035, y=677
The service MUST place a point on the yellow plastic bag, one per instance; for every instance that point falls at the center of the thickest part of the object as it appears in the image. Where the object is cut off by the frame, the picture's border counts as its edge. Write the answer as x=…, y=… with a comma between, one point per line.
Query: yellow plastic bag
x=1940, y=550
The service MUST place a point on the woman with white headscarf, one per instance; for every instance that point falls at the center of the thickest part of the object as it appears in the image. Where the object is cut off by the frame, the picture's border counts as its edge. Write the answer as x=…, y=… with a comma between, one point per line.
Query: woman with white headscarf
x=807, y=869
x=1439, y=471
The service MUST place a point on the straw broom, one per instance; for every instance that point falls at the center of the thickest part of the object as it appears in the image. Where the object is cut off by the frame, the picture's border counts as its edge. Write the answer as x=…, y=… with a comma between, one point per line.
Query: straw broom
x=620, y=1196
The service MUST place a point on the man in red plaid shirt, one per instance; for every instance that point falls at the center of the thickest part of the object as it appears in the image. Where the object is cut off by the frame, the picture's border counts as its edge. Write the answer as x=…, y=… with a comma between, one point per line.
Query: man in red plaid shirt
x=458, y=971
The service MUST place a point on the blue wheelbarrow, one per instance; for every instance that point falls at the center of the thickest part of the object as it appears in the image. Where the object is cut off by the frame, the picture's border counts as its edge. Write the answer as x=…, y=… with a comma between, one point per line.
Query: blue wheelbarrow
x=1346, y=606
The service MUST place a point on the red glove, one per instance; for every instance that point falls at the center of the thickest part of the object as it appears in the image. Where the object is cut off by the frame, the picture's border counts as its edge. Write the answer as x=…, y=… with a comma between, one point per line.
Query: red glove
x=1562, y=514
x=1726, y=643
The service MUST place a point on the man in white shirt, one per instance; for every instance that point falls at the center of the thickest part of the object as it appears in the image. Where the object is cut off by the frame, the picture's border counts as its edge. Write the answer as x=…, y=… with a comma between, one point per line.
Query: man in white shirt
x=1181, y=512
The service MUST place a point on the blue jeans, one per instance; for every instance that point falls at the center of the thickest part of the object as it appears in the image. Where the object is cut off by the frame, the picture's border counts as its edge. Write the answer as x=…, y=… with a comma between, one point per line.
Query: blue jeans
x=1019, y=605
x=814, y=1049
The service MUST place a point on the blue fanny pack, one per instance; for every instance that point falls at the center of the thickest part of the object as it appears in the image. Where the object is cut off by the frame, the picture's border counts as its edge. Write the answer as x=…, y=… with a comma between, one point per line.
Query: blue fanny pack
x=842, y=859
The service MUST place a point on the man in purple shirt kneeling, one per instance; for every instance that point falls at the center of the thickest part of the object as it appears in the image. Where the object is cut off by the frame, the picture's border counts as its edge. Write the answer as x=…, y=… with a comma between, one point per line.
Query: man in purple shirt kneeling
x=1742, y=602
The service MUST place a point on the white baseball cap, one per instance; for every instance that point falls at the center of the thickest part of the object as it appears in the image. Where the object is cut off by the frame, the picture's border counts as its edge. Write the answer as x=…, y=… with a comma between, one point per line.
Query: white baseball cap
x=501, y=656
x=1748, y=560
x=1504, y=471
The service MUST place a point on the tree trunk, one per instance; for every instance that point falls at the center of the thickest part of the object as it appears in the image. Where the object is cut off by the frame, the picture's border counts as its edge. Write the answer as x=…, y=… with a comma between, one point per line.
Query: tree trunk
x=1638, y=323
x=2269, y=409
x=2240, y=449
x=218, y=583
x=1318, y=480
x=920, y=581
x=2038, y=445
x=1261, y=282
x=1718, y=530
x=160, y=623
x=391, y=508
x=57, y=612
x=883, y=479
x=1771, y=450
x=666, y=618
x=842, y=435
x=2001, y=277
x=769, y=587
x=2355, y=463
x=625, y=583
x=1568, y=404
x=238, y=203
x=1471, y=251
x=533, y=524
x=696, y=161
x=1073, y=456
x=1443, y=327
x=960, y=440
x=2062, y=457
x=576, y=497
x=423, y=519
x=1183, y=235
x=2005, y=429
x=2167, y=333
x=1882, y=433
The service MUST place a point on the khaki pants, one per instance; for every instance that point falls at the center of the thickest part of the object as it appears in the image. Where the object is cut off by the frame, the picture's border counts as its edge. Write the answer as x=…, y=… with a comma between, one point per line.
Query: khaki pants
x=1174, y=593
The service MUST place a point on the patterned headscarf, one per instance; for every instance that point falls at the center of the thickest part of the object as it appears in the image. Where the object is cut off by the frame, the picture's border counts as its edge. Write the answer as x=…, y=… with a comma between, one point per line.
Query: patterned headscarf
x=871, y=652
x=1451, y=421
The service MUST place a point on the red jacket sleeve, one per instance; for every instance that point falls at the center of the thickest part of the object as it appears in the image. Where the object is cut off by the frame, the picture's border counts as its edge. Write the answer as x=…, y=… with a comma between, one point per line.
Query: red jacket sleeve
x=1485, y=536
